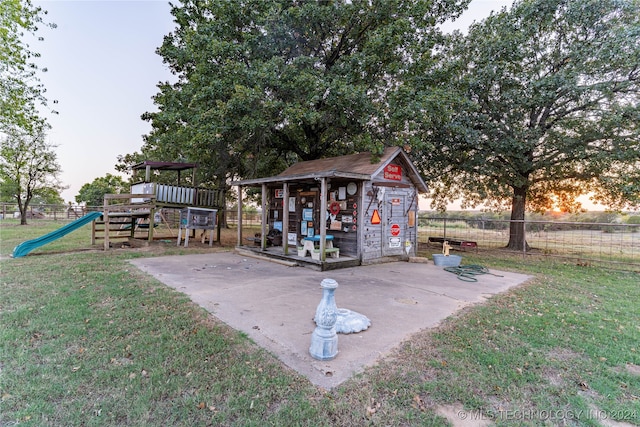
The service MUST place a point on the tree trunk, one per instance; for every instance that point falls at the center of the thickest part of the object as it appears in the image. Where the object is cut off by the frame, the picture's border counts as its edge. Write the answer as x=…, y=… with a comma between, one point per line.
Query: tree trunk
x=22, y=207
x=221, y=184
x=517, y=237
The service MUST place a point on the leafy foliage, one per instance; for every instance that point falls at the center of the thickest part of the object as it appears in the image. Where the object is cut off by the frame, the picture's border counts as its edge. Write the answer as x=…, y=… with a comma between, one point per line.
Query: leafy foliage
x=48, y=196
x=28, y=168
x=264, y=84
x=93, y=193
x=537, y=105
x=20, y=89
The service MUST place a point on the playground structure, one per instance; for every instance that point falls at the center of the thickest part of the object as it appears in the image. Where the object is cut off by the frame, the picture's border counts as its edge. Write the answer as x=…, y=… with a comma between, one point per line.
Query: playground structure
x=150, y=202
x=135, y=215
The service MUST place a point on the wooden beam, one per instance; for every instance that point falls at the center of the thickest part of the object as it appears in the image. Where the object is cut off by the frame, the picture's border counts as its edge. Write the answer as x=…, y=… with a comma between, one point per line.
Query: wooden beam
x=239, y=242
x=285, y=218
x=323, y=219
x=265, y=218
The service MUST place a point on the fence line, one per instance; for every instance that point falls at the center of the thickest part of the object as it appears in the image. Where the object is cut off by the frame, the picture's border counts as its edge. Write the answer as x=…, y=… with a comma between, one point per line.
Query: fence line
x=610, y=244
x=249, y=219
x=53, y=212
x=72, y=212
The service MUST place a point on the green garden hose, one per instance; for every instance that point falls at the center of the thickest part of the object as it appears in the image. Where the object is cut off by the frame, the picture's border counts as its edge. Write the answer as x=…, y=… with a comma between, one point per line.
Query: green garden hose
x=466, y=273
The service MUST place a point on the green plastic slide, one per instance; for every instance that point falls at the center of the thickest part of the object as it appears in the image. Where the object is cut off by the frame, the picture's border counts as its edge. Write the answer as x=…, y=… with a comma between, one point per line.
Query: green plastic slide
x=25, y=247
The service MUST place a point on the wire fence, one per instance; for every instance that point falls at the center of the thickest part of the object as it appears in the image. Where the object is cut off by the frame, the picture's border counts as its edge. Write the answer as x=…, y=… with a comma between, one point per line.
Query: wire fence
x=609, y=244
x=73, y=212
x=53, y=212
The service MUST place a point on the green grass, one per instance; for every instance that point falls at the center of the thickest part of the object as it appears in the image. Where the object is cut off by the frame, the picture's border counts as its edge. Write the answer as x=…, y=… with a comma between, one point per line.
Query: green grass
x=87, y=339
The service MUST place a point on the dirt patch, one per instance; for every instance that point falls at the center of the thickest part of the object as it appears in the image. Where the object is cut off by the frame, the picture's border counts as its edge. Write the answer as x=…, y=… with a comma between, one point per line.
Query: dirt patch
x=562, y=354
x=460, y=417
x=554, y=377
x=632, y=369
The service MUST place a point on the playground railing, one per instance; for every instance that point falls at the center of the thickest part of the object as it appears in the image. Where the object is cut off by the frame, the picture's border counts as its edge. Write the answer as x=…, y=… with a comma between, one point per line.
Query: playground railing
x=179, y=195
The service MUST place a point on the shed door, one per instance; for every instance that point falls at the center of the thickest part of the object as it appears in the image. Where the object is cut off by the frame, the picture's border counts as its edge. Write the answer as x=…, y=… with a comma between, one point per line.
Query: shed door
x=394, y=224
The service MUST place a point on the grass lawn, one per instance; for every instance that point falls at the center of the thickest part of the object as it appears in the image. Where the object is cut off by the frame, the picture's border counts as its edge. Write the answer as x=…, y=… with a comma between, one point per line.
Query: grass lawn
x=87, y=339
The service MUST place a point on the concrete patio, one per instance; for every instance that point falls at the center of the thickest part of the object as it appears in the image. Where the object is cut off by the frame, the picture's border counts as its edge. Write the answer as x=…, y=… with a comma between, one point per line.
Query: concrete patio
x=274, y=304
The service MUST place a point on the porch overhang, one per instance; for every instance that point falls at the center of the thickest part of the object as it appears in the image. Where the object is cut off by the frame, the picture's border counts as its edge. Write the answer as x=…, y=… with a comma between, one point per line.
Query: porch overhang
x=310, y=177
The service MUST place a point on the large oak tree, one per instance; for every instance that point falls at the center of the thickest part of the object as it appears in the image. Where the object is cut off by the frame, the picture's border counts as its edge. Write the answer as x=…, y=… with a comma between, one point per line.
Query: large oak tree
x=262, y=84
x=536, y=104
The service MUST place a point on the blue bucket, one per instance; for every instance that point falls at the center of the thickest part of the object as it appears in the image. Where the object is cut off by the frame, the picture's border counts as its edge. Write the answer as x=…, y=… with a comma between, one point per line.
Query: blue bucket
x=447, y=261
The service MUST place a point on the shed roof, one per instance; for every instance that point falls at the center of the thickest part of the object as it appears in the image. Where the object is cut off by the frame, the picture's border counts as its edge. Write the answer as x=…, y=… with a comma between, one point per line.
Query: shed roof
x=353, y=166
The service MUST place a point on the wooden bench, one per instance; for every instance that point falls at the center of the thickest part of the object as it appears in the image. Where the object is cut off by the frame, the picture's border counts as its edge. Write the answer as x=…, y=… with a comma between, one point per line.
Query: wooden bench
x=461, y=244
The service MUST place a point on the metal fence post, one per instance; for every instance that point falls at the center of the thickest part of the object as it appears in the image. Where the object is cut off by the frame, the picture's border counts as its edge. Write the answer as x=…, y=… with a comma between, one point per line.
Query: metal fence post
x=444, y=232
x=524, y=239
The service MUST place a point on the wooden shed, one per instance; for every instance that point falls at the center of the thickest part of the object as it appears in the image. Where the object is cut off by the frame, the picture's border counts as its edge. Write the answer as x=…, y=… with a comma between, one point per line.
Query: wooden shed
x=362, y=210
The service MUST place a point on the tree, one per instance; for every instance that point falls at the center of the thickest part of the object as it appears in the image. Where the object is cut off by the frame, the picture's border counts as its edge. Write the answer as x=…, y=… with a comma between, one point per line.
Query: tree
x=48, y=196
x=264, y=84
x=20, y=88
x=93, y=193
x=28, y=168
x=537, y=104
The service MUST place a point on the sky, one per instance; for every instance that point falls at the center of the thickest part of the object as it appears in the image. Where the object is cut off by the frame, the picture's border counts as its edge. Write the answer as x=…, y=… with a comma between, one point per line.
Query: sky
x=103, y=71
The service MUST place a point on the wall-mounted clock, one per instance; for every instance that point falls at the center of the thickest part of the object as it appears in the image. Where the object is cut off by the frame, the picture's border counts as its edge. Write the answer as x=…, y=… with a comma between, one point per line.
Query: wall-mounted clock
x=352, y=188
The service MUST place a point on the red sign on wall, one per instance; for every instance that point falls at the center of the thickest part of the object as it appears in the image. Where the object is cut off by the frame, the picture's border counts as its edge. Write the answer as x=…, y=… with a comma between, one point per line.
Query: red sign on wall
x=393, y=172
x=395, y=230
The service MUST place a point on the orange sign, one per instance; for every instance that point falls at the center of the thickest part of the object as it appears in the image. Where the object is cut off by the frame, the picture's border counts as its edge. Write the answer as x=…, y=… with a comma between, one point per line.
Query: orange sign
x=375, y=218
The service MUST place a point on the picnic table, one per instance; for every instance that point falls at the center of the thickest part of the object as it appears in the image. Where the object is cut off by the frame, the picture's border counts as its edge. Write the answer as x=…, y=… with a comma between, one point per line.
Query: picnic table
x=309, y=245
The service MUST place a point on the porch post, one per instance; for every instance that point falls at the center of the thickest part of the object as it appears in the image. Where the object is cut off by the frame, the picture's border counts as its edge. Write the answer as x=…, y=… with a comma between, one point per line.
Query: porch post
x=152, y=219
x=285, y=218
x=265, y=217
x=323, y=218
x=239, y=243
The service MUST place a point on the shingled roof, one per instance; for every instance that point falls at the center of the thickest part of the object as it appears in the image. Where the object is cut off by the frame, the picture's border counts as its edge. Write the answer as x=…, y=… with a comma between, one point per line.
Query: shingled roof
x=360, y=163
x=353, y=166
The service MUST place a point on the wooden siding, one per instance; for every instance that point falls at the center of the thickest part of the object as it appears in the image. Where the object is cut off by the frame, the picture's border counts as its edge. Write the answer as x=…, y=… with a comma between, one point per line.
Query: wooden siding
x=346, y=235
x=384, y=195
